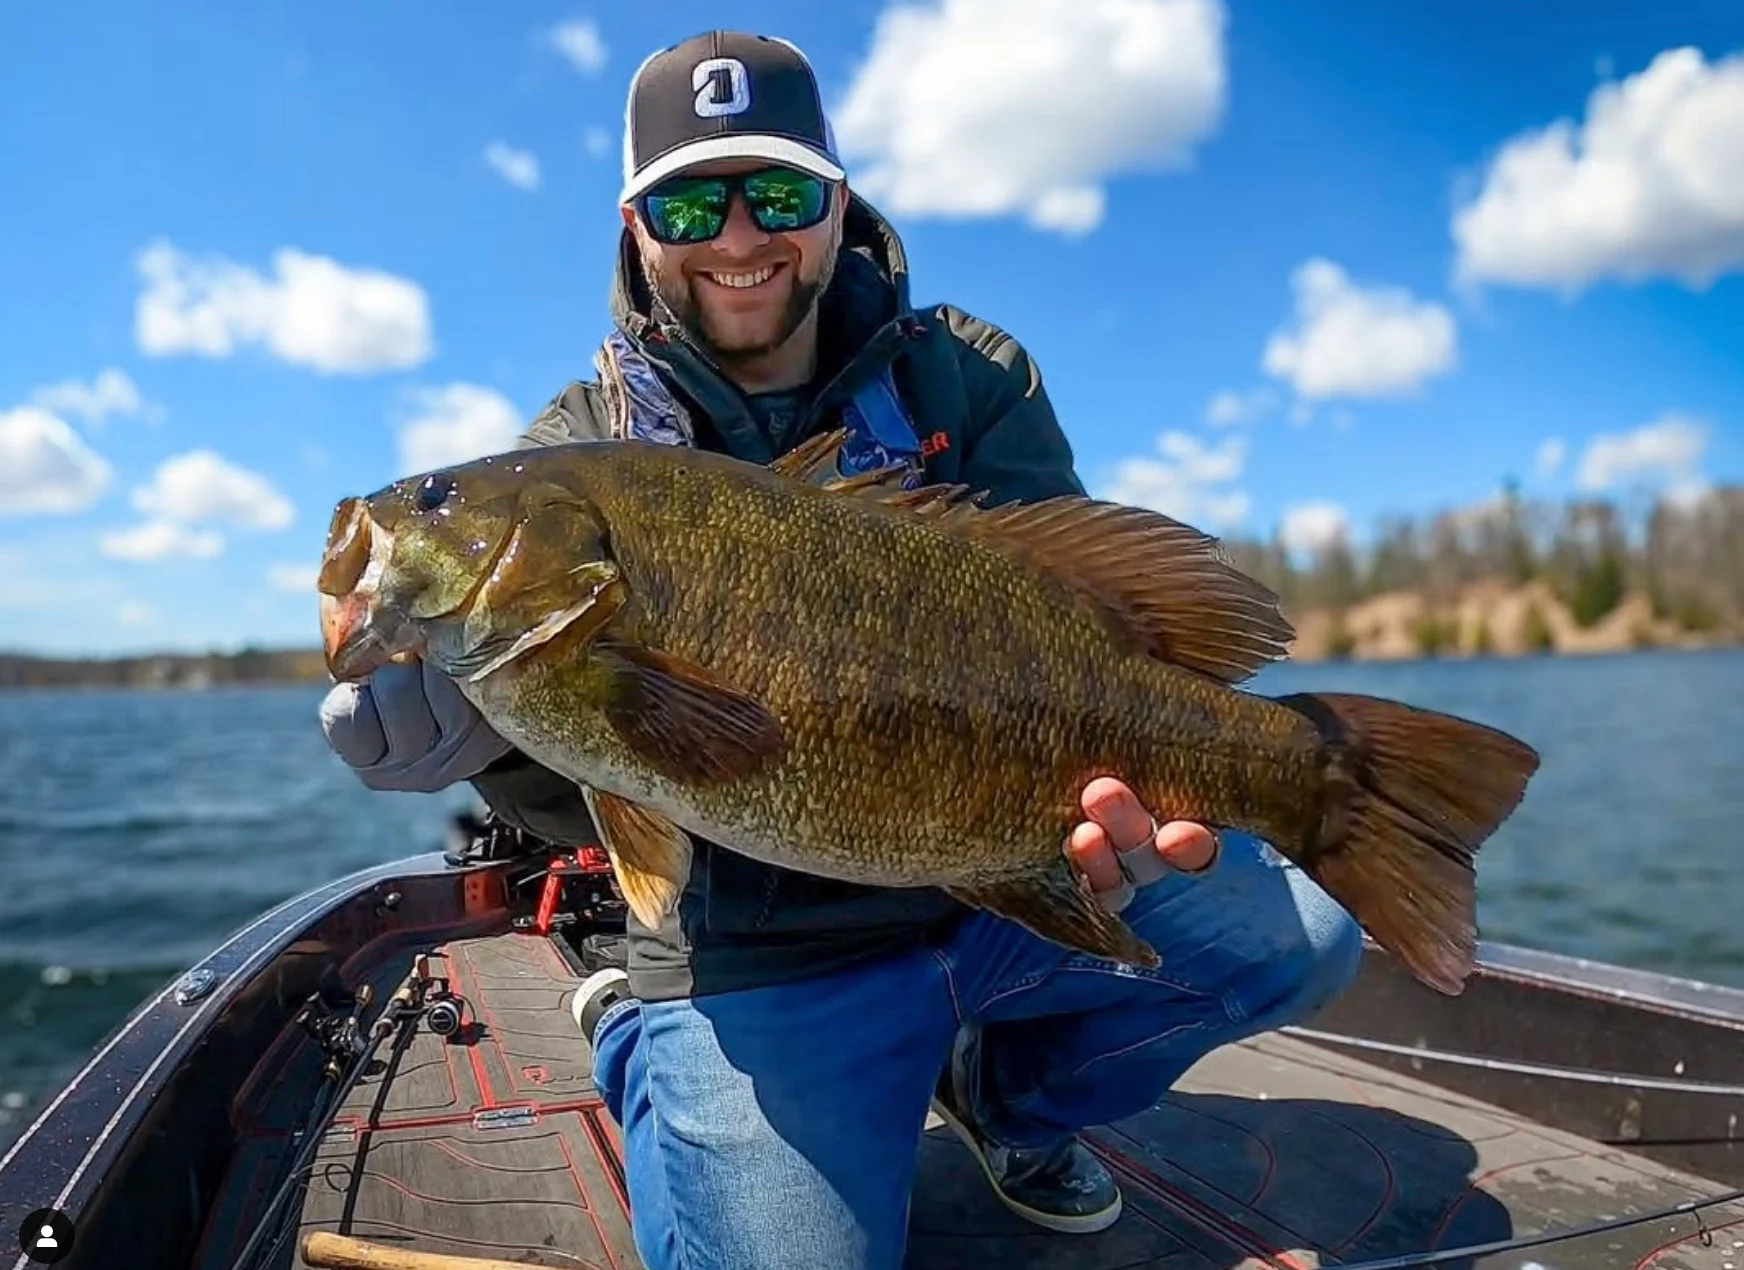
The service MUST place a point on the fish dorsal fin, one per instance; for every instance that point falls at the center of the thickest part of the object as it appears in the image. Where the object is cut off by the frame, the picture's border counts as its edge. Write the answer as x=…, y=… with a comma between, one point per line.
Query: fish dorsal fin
x=811, y=456
x=814, y=461
x=1164, y=584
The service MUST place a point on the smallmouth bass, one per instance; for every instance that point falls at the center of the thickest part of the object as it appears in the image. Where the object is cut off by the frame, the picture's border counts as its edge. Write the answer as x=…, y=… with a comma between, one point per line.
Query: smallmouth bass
x=901, y=688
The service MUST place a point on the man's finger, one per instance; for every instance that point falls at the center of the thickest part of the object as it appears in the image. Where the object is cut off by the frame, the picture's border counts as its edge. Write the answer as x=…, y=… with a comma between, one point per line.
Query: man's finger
x=1090, y=850
x=1186, y=845
x=1113, y=805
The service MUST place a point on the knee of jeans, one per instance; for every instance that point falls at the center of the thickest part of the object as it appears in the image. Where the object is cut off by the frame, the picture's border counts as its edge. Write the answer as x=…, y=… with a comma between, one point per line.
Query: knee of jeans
x=1330, y=953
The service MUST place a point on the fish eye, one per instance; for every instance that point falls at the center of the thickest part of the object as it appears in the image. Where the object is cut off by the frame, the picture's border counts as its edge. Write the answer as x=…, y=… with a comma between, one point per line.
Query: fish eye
x=433, y=491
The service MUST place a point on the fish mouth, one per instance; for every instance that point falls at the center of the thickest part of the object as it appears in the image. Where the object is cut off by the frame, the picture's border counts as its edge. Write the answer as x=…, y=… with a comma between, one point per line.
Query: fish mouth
x=355, y=641
x=359, y=635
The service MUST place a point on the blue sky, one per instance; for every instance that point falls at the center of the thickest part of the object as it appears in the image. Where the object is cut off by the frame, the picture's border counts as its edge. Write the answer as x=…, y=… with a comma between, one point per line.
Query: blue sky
x=1281, y=264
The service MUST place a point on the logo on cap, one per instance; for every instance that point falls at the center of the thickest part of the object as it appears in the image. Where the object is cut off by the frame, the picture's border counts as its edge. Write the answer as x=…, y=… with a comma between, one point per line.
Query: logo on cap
x=723, y=87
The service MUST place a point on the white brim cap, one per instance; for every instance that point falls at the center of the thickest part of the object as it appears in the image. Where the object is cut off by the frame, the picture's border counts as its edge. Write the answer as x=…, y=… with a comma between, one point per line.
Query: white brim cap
x=732, y=145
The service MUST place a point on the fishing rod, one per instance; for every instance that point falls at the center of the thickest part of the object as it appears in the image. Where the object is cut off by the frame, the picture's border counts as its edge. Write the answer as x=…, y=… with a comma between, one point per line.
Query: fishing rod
x=1411, y=1260
x=351, y=1050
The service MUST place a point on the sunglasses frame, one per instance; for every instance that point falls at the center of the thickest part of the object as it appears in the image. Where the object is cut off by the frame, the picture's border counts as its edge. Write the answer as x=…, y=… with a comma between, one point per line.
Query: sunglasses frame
x=735, y=184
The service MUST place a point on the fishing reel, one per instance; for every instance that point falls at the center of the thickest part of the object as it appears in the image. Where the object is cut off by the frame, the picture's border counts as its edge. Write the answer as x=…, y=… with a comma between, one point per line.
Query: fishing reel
x=439, y=1007
x=446, y=1015
x=332, y=1016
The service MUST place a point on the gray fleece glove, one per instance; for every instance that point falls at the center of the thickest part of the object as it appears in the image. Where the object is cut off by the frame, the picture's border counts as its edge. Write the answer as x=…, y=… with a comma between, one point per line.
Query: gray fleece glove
x=408, y=728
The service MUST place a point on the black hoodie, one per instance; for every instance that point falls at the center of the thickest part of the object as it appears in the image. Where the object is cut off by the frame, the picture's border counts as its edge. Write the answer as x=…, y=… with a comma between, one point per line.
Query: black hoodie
x=977, y=401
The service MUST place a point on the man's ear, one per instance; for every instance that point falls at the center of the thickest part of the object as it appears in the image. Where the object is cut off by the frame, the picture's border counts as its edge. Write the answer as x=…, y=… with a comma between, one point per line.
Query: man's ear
x=629, y=215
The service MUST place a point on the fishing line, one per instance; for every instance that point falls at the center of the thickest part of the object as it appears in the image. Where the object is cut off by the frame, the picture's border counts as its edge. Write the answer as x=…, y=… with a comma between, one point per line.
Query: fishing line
x=1579, y=1074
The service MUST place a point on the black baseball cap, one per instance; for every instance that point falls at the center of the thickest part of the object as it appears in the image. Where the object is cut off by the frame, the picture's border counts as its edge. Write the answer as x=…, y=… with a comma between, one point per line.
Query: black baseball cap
x=725, y=95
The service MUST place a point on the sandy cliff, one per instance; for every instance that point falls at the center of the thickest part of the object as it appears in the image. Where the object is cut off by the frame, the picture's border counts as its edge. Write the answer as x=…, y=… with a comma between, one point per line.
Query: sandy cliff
x=1487, y=619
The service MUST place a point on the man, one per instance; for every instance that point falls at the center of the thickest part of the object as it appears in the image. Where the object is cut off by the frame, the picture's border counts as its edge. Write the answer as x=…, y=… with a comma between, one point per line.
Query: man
x=773, y=1050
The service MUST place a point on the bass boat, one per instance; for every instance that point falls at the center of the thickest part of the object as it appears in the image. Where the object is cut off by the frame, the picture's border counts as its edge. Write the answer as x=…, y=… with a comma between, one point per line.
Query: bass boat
x=385, y=1072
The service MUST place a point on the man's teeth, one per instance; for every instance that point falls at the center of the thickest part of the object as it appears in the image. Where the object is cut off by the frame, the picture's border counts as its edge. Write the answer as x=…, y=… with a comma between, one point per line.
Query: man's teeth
x=743, y=279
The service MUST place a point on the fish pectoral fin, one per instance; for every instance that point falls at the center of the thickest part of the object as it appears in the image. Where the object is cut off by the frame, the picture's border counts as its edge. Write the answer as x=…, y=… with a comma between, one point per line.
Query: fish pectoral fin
x=650, y=854
x=1057, y=904
x=683, y=720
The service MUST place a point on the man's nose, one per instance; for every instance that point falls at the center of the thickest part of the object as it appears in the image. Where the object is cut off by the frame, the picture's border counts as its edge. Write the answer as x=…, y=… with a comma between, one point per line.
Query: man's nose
x=740, y=234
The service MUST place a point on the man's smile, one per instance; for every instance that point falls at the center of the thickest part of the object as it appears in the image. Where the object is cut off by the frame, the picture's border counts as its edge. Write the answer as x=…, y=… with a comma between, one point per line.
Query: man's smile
x=742, y=280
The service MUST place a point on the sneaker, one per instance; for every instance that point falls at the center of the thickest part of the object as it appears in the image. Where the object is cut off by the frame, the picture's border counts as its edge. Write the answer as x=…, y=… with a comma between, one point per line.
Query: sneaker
x=596, y=994
x=1061, y=1187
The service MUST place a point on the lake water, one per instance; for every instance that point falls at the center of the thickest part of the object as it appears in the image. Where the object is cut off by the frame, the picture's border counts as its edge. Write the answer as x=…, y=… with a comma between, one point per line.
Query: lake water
x=137, y=828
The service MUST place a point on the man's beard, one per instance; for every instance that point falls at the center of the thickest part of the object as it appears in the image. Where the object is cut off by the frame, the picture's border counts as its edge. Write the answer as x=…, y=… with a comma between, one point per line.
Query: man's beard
x=678, y=296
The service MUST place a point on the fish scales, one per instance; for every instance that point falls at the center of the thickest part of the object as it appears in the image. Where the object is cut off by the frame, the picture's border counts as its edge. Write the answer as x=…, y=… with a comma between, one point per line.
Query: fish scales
x=897, y=705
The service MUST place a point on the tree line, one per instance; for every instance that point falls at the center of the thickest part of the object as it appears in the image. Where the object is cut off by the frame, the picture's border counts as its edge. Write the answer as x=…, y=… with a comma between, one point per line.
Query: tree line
x=1686, y=556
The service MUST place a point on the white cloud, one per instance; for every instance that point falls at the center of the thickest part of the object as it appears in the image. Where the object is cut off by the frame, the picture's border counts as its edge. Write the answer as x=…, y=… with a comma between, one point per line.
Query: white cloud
x=295, y=578
x=201, y=486
x=520, y=168
x=1230, y=408
x=597, y=141
x=1312, y=527
x=312, y=312
x=1191, y=481
x=160, y=540
x=111, y=393
x=580, y=41
x=1650, y=184
x=1665, y=453
x=45, y=466
x=456, y=423
x=133, y=613
x=966, y=108
x=1552, y=452
x=1354, y=341
x=1070, y=212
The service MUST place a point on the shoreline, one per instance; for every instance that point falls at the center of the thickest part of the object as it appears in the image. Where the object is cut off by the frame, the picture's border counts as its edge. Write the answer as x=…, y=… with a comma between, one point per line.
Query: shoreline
x=185, y=672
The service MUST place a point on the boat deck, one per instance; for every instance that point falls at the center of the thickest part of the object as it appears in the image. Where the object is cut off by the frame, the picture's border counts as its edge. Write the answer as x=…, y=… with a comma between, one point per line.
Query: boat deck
x=1273, y=1153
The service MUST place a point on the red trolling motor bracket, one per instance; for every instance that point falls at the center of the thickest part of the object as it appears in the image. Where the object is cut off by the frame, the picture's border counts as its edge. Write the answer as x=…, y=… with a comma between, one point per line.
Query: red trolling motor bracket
x=561, y=866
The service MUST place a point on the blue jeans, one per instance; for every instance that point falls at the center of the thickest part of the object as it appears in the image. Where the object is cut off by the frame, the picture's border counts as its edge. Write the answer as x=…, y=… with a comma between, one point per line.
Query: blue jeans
x=779, y=1127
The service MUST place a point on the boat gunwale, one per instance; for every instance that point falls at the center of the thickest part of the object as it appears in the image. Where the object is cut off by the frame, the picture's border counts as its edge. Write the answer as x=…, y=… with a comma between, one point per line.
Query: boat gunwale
x=41, y=1159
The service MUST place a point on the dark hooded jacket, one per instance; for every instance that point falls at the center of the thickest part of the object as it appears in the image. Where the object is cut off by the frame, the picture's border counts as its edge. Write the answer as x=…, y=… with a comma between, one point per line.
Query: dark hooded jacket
x=977, y=402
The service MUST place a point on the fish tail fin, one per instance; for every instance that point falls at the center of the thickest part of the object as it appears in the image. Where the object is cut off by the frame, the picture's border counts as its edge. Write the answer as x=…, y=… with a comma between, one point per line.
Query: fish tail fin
x=1410, y=795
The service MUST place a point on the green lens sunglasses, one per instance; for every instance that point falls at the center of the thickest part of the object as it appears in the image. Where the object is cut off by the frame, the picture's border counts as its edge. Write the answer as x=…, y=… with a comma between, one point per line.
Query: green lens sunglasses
x=693, y=209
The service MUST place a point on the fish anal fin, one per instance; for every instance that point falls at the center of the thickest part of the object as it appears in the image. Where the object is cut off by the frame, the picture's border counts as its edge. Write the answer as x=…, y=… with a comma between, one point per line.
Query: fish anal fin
x=1163, y=585
x=683, y=720
x=1057, y=904
x=650, y=854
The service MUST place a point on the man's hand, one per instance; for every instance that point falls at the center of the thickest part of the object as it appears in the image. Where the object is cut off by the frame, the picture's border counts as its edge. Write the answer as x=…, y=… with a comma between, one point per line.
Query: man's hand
x=1119, y=822
x=409, y=729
